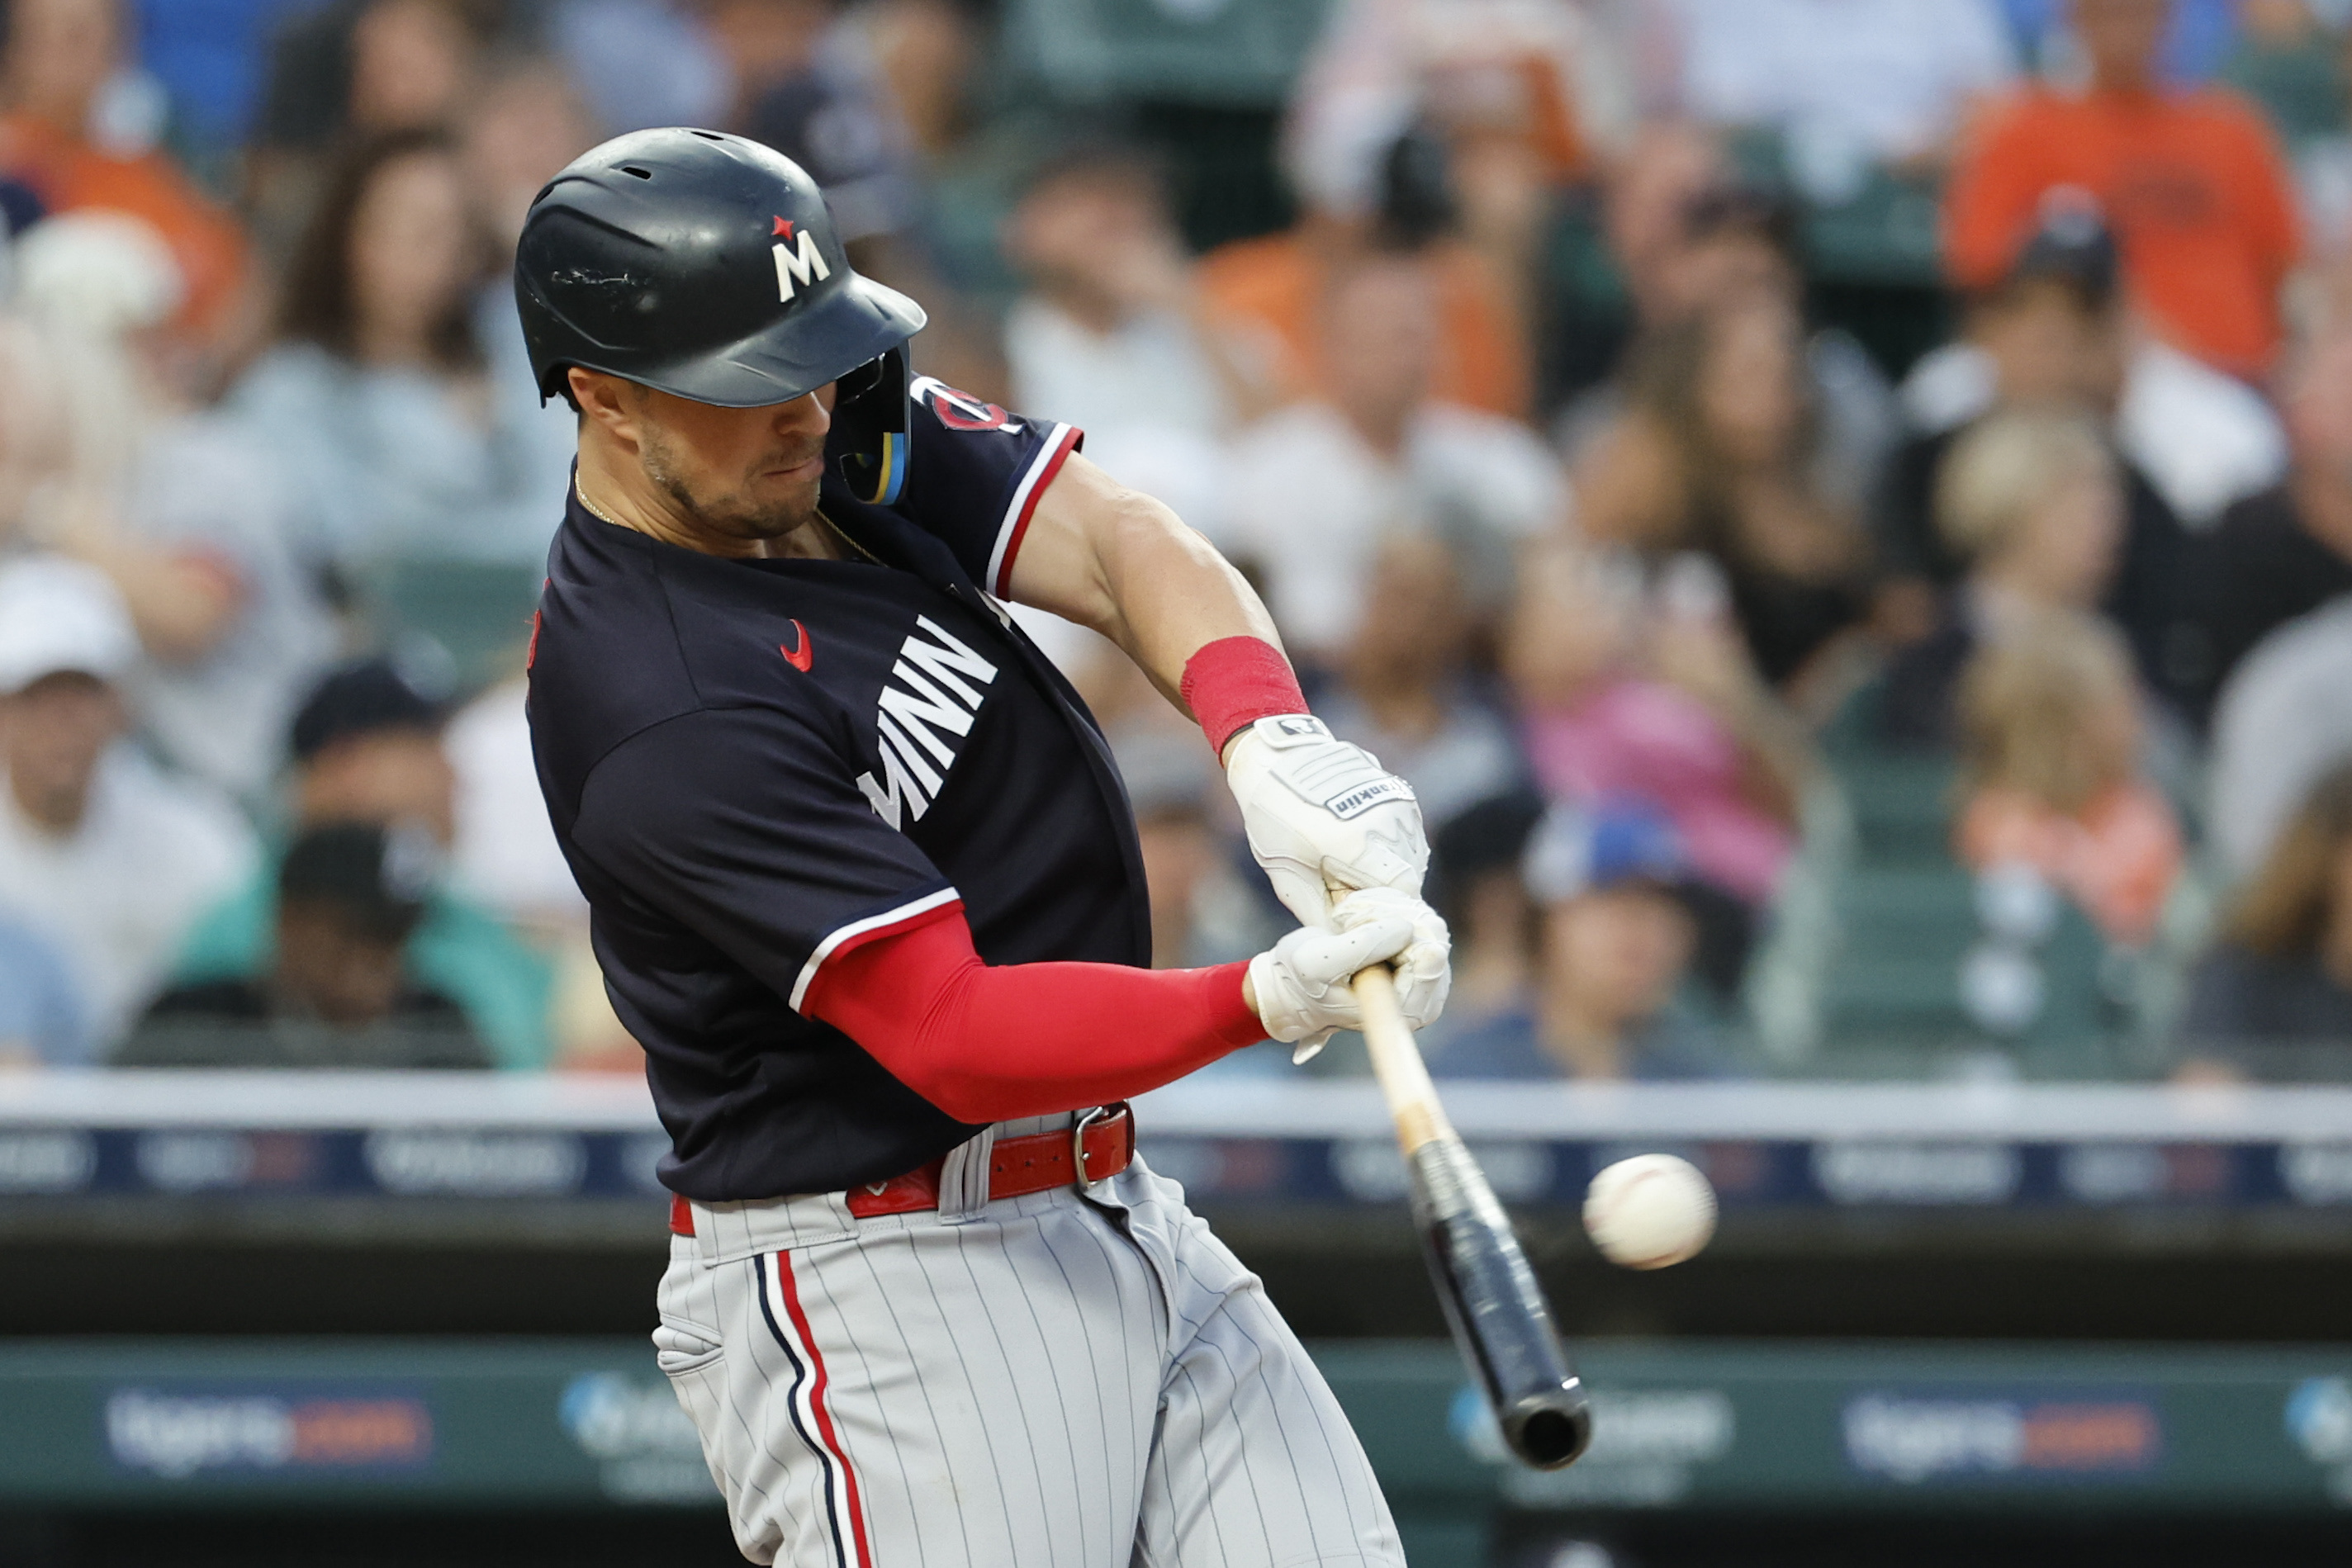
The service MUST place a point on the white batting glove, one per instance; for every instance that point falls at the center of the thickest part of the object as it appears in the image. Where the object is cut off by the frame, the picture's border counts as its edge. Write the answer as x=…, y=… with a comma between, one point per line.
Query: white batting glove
x=1302, y=982
x=1322, y=814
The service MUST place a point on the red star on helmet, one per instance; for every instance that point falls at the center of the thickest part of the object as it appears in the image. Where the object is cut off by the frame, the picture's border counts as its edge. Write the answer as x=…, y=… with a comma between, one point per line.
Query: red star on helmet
x=785, y=227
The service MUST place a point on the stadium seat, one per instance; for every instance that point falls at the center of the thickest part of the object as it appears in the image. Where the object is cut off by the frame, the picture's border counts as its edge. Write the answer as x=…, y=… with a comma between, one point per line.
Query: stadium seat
x=1878, y=925
x=1900, y=806
x=1238, y=53
x=1898, y=801
x=1894, y=979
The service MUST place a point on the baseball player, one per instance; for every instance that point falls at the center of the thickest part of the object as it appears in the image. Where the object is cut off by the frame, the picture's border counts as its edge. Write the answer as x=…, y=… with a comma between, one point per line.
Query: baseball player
x=866, y=887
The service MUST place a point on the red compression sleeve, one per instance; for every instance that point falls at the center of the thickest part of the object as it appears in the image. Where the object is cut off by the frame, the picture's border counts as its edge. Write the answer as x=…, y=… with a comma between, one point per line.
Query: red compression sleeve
x=1027, y=1040
x=1237, y=681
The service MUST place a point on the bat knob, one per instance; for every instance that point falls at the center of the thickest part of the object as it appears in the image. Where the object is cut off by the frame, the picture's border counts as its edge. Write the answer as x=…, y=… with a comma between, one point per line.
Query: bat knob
x=1550, y=1428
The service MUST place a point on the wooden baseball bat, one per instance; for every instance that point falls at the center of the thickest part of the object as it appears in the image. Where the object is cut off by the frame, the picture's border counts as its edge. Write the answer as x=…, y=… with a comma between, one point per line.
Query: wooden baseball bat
x=1496, y=1310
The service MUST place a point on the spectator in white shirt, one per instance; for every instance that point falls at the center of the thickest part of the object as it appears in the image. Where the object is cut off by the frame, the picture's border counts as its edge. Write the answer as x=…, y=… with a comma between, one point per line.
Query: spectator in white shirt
x=1317, y=486
x=1558, y=78
x=2284, y=719
x=379, y=398
x=105, y=856
x=1849, y=82
x=1107, y=334
x=184, y=511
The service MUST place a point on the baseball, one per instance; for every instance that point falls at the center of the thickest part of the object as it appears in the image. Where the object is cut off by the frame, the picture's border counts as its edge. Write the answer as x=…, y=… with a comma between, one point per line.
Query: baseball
x=1649, y=1211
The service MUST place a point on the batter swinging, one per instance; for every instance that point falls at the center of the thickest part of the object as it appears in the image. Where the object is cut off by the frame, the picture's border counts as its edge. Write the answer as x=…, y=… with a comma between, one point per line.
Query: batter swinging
x=866, y=887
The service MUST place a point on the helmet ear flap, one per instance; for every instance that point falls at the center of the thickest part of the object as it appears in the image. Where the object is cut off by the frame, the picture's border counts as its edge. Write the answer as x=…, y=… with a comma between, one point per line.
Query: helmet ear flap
x=871, y=428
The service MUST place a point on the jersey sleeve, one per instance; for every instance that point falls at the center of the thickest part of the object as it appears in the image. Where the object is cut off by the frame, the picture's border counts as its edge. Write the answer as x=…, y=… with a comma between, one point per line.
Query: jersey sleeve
x=743, y=825
x=975, y=474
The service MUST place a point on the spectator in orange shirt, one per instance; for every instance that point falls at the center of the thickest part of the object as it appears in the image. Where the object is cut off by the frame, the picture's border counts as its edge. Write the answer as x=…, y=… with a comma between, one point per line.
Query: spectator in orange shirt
x=1442, y=125
x=1265, y=295
x=59, y=53
x=2191, y=181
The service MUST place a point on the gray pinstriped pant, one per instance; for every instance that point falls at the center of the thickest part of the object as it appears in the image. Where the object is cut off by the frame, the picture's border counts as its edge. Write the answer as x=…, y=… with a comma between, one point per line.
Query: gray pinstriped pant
x=1045, y=1381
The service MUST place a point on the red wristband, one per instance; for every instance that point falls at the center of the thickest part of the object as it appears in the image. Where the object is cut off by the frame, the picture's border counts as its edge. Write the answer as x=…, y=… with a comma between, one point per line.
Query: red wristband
x=1233, y=682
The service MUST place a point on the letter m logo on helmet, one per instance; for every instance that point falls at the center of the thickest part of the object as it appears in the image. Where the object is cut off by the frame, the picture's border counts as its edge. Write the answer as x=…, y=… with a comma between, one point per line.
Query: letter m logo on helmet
x=799, y=263
x=642, y=259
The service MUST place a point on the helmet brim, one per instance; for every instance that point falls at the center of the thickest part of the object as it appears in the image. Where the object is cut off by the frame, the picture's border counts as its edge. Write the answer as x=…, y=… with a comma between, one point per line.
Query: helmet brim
x=806, y=350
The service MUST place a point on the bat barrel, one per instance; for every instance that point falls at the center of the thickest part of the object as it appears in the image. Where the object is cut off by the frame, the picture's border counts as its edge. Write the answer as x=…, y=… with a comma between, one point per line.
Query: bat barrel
x=1551, y=1428
x=1495, y=1308
x=1492, y=1301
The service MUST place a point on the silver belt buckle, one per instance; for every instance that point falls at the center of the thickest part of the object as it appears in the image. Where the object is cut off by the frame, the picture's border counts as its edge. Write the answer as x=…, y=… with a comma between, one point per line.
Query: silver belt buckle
x=1078, y=1129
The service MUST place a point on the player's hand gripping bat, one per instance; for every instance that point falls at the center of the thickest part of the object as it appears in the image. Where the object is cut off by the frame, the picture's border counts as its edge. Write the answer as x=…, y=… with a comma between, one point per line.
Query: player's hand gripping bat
x=1492, y=1301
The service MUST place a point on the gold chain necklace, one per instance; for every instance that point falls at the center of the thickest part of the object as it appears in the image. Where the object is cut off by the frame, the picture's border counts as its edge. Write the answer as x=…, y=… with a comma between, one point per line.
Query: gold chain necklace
x=842, y=534
x=596, y=509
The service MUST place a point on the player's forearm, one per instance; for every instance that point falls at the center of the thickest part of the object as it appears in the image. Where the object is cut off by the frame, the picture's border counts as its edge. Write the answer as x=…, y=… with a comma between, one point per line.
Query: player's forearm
x=1121, y=563
x=1026, y=1040
x=1174, y=595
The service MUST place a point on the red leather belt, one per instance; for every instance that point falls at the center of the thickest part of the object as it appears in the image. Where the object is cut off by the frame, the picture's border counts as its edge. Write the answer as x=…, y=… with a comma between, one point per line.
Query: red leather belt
x=1017, y=1167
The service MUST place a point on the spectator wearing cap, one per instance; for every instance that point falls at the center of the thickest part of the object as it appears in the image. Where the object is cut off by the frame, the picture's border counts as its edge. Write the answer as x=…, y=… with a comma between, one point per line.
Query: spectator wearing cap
x=2052, y=330
x=59, y=54
x=1614, y=995
x=337, y=992
x=109, y=859
x=367, y=747
x=186, y=513
x=2059, y=323
x=1108, y=333
x=2192, y=180
x=2053, y=342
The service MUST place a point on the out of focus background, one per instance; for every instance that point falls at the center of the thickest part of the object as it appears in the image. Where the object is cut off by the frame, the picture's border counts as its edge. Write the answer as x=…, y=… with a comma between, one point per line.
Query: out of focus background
x=1841, y=508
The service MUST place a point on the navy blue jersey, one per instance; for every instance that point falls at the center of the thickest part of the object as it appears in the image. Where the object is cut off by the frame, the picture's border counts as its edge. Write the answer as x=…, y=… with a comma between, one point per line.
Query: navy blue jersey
x=754, y=766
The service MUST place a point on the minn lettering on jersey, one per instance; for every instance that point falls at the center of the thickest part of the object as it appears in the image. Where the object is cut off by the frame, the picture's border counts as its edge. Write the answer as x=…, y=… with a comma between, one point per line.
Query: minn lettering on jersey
x=926, y=710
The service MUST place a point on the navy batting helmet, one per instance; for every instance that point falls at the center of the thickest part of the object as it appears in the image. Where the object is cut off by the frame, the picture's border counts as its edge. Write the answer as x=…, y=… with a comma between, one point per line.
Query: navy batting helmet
x=707, y=265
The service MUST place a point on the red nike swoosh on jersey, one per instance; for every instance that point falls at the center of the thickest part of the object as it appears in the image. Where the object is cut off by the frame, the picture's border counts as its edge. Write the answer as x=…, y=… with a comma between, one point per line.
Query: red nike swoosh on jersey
x=802, y=657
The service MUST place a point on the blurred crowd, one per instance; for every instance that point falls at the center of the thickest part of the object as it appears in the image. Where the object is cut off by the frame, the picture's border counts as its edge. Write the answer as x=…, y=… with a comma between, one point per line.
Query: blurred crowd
x=1841, y=508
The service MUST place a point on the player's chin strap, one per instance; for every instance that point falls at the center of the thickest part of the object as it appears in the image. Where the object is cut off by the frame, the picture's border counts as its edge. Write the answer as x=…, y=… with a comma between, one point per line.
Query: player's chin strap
x=871, y=428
